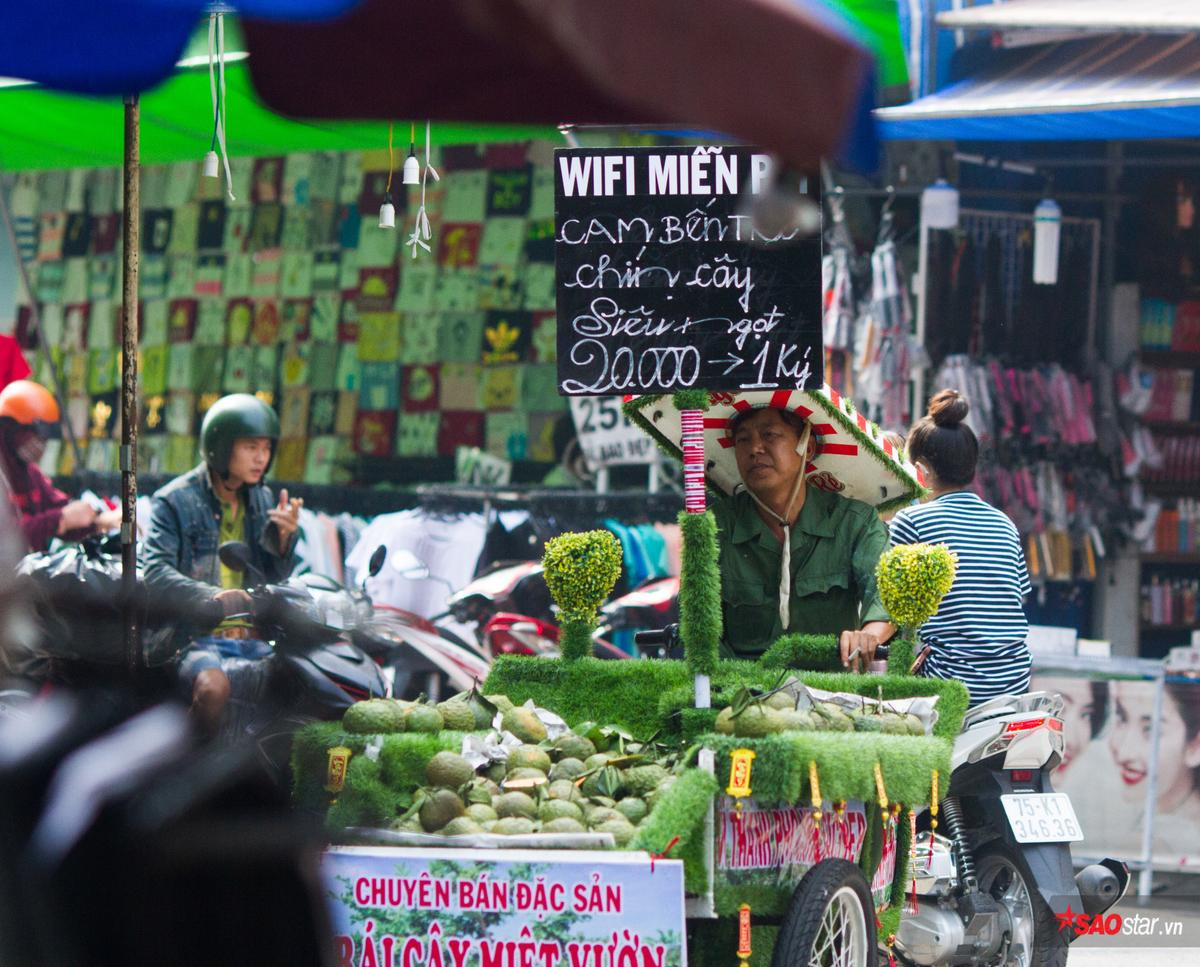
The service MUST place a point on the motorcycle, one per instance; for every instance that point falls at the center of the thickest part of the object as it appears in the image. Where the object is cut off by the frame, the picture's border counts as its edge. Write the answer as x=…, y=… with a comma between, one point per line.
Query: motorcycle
x=316, y=670
x=993, y=887
x=511, y=608
x=993, y=879
x=653, y=605
x=418, y=657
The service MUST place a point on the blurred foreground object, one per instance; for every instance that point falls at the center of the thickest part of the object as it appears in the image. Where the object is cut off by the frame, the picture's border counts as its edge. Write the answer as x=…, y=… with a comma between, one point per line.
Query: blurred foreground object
x=777, y=73
x=125, y=843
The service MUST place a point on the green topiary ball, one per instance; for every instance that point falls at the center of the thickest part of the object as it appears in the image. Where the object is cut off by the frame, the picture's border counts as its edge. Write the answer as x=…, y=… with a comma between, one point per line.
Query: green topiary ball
x=913, y=579
x=581, y=570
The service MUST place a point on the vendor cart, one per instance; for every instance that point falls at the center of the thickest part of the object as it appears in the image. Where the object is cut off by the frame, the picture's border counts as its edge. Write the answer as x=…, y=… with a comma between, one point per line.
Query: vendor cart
x=806, y=857
x=791, y=846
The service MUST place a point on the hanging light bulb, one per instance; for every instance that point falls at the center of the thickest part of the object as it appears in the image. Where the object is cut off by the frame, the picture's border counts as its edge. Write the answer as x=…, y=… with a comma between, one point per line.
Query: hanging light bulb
x=1047, y=232
x=387, y=215
x=412, y=167
x=387, y=211
x=939, y=205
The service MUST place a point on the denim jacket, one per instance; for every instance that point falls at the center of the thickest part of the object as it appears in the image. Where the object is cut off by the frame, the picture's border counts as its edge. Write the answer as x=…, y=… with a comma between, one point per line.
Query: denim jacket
x=179, y=554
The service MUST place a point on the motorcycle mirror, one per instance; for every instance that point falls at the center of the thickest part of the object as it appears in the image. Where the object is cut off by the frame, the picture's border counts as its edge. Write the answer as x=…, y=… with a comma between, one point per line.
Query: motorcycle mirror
x=405, y=563
x=375, y=565
x=235, y=555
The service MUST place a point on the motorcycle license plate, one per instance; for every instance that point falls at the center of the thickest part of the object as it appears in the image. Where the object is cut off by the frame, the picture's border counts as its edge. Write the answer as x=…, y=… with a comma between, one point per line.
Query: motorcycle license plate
x=1042, y=817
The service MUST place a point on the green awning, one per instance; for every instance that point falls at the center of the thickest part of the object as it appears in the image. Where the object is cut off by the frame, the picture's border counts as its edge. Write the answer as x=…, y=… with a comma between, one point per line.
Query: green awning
x=44, y=129
x=876, y=23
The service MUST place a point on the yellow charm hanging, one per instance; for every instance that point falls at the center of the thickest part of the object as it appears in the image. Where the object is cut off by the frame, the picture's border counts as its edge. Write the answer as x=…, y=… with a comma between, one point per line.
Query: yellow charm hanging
x=881, y=793
x=740, y=764
x=815, y=782
x=335, y=773
x=933, y=802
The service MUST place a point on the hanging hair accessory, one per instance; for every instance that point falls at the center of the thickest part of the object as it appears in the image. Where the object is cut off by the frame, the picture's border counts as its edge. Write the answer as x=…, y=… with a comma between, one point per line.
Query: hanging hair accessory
x=422, y=232
x=216, y=86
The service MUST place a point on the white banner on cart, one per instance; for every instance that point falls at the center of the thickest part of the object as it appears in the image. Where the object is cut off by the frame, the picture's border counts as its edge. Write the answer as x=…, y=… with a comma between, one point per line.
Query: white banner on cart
x=788, y=840
x=504, y=908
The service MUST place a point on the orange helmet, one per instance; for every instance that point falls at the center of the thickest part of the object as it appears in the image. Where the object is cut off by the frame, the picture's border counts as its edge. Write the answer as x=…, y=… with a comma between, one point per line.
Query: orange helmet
x=29, y=404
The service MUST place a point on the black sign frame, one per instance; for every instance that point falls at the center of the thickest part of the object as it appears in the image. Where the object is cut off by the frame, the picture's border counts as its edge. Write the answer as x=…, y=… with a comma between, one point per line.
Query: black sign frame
x=667, y=277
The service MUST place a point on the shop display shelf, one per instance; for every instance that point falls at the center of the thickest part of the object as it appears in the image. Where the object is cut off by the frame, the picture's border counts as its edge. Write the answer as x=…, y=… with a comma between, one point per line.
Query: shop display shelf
x=1192, y=626
x=1170, y=359
x=1172, y=488
x=1173, y=426
x=1169, y=557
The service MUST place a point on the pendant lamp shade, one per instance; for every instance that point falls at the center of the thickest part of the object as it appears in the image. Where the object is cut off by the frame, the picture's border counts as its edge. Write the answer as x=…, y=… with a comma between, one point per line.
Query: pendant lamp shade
x=939, y=205
x=412, y=168
x=1047, y=233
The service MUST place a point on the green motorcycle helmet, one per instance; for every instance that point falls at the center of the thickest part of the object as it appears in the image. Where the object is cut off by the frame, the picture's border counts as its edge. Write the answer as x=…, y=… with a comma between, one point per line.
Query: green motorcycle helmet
x=229, y=419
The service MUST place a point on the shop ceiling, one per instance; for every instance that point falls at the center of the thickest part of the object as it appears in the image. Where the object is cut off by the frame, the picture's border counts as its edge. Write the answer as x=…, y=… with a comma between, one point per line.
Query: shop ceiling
x=1090, y=16
x=1039, y=71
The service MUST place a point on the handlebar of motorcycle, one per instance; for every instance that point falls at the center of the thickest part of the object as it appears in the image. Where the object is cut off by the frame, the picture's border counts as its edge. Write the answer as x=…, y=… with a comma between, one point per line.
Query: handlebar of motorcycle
x=654, y=639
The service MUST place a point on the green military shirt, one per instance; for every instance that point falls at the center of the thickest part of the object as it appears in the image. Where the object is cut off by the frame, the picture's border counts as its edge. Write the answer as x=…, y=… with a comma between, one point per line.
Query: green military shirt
x=835, y=547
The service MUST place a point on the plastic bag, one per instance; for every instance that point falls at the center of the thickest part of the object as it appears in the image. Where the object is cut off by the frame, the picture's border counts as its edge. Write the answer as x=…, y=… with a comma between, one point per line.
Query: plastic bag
x=79, y=604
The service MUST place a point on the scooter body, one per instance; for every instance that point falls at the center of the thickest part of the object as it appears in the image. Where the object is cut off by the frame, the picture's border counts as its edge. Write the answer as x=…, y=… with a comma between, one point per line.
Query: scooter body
x=418, y=657
x=510, y=607
x=991, y=877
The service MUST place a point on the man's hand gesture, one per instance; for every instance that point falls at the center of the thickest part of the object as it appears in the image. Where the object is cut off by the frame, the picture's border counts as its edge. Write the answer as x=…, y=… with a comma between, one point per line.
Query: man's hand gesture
x=286, y=516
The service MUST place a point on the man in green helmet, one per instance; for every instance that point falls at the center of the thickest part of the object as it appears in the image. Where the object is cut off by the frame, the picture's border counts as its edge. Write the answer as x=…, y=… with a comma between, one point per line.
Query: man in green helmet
x=223, y=499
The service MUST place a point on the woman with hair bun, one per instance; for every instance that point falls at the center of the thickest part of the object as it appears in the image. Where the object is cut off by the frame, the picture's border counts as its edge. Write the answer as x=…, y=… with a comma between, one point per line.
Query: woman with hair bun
x=978, y=633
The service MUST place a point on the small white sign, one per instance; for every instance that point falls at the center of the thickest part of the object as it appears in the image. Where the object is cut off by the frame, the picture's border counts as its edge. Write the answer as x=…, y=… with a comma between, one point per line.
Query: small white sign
x=1046, y=817
x=475, y=466
x=606, y=436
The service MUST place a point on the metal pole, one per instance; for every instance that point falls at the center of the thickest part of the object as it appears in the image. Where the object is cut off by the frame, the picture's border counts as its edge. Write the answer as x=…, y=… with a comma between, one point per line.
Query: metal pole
x=42, y=349
x=917, y=374
x=1146, y=876
x=1092, y=352
x=1108, y=266
x=129, y=379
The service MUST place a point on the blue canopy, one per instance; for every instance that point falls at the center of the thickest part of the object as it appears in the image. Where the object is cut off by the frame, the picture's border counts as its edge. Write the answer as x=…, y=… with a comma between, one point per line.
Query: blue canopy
x=1113, y=87
x=119, y=46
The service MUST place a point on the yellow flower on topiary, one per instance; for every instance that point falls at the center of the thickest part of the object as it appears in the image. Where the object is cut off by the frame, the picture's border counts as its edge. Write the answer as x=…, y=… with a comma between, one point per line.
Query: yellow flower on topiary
x=913, y=579
x=581, y=569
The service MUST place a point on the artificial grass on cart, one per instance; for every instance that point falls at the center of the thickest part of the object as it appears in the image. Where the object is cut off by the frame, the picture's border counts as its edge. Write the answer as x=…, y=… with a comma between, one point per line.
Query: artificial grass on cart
x=377, y=790
x=680, y=813
x=401, y=765
x=845, y=765
x=646, y=696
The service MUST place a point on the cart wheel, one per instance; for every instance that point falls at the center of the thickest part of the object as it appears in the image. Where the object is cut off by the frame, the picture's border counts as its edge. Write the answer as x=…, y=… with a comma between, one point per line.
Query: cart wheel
x=830, y=921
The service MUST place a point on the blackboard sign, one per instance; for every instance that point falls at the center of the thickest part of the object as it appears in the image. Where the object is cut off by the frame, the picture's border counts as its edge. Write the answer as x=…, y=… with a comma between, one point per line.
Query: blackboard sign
x=666, y=279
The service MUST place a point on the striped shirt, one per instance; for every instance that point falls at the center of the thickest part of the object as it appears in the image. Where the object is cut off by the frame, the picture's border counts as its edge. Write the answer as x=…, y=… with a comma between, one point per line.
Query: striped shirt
x=978, y=633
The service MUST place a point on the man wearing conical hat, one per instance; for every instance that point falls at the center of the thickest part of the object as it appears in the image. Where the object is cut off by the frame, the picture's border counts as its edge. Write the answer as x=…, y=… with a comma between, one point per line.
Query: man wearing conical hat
x=799, y=478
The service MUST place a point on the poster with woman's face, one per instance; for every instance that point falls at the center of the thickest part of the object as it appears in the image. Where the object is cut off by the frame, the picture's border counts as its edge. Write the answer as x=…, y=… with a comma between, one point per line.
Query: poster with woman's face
x=1107, y=732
